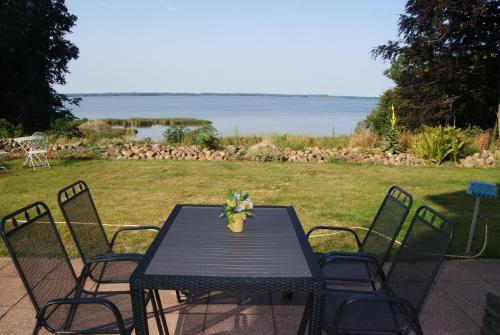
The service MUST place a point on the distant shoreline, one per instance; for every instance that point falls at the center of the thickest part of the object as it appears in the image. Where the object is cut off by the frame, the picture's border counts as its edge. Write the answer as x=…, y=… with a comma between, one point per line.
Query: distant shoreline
x=111, y=94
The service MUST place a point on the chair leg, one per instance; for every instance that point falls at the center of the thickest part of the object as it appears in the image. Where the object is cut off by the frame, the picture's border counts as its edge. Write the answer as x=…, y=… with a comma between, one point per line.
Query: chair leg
x=306, y=315
x=178, y=295
x=160, y=309
x=37, y=327
x=156, y=313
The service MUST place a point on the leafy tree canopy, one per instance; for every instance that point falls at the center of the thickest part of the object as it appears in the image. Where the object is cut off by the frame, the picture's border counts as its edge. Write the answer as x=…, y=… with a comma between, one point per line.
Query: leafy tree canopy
x=34, y=55
x=445, y=64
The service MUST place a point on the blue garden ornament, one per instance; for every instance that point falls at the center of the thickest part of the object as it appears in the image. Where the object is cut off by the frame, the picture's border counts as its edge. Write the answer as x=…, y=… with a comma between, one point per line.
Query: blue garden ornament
x=479, y=189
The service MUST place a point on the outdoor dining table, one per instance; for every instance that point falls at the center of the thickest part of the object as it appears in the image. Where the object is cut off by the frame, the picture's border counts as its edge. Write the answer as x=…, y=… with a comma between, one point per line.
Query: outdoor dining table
x=195, y=252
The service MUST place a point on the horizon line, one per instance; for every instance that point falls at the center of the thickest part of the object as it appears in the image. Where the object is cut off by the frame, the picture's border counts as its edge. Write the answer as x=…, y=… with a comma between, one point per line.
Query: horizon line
x=212, y=93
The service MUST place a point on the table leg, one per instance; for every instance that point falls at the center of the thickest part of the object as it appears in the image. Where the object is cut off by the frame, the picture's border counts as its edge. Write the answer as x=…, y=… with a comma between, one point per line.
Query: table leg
x=139, y=310
x=315, y=321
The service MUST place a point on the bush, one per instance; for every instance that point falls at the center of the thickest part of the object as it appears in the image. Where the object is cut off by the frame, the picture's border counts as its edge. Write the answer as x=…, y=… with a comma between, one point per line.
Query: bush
x=436, y=144
x=174, y=134
x=206, y=137
x=81, y=153
x=8, y=130
x=481, y=141
x=364, y=138
x=66, y=127
x=406, y=140
x=265, y=153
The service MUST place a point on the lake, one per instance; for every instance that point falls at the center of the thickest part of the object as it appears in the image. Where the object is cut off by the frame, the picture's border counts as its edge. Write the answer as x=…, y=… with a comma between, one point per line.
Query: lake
x=237, y=114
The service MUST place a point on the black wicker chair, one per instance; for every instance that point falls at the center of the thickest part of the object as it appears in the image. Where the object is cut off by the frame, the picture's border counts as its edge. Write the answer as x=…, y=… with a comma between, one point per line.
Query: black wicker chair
x=366, y=265
x=395, y=306
x=62, y=305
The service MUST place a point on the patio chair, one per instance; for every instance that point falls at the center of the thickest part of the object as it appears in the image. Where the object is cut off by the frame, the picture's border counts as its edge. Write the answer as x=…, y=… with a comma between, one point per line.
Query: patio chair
x=87, y=231
x=61, y=303
x=395, y=306
x=37, y=151
x=366, y=264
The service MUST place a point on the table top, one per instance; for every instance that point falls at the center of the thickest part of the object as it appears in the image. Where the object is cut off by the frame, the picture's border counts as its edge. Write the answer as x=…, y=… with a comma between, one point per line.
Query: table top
x=195, y=242
x=23, y=139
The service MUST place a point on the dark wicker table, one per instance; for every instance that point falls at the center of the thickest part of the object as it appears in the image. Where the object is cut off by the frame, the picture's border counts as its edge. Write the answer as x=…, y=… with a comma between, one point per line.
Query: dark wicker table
x=194, y=251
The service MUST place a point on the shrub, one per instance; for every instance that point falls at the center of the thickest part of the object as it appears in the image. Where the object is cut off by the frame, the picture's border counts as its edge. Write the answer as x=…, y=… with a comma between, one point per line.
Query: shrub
x=206, y=137
x=436, y=144
x=237, y=140
x=81, y=153
x=364, y=138
x=66, y=127
x=481, y=141
x=265, y=153
x=174, y=134
x=8, y=130
x=406, y=140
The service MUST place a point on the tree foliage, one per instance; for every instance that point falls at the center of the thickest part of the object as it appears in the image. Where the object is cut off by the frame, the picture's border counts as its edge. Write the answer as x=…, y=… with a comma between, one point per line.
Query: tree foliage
x=445, y=64
x=34, y=55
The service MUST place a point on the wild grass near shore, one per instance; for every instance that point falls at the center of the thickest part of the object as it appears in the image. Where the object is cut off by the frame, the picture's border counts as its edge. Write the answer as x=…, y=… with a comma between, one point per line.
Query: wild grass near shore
x=144, y=192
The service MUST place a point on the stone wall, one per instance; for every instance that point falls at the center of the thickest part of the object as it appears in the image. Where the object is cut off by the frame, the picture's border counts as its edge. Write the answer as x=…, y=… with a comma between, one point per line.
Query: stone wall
x=156, y=151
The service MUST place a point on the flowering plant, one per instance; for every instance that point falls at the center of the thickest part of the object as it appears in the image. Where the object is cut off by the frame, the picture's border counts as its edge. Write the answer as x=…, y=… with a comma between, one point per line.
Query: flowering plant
x=238, y=205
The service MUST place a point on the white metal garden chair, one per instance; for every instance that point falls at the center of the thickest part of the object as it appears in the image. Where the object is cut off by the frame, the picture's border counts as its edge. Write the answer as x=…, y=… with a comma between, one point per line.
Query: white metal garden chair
x=37, y=151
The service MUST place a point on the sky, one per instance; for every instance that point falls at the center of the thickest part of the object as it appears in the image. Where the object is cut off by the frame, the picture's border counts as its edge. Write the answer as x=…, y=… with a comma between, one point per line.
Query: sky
x=226, y=46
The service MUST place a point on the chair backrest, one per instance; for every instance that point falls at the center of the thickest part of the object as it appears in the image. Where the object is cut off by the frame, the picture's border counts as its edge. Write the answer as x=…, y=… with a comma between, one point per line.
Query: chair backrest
x=420, y=256
x=38, y=254
x=387, y=223
x=84, y=223
x=39, y=141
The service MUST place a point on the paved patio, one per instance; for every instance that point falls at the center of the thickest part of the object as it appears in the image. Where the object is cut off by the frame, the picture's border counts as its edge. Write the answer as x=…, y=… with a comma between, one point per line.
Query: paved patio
x=455, y=306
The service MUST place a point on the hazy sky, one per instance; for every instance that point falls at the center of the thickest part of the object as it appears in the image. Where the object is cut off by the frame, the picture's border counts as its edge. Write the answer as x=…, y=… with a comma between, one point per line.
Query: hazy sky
x=296, y=47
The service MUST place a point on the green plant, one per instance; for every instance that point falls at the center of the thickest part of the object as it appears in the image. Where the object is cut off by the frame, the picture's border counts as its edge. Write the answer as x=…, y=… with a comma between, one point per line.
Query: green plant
x=7, y=129
x=66, y=127
x=265, y=153
x=436, y=144
x=206, y=137
x=174, y=134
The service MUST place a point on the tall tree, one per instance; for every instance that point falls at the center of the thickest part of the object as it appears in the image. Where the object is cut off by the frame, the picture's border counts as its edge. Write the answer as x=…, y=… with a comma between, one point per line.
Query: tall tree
x=34, y=55
x=445, y=64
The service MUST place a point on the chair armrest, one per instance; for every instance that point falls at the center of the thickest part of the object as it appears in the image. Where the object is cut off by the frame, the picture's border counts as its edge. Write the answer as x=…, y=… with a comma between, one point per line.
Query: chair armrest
x=362, y=258
x=133, y=228
x=372, y=298
x=88, y=268
x=79, y=301
x=346, y=229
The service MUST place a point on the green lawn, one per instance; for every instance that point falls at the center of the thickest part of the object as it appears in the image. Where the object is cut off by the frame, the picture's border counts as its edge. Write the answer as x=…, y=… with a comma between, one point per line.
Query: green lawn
x=144, y=192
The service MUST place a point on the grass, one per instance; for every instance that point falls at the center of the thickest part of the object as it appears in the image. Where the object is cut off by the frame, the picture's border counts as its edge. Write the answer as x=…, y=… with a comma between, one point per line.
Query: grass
x=144, y=192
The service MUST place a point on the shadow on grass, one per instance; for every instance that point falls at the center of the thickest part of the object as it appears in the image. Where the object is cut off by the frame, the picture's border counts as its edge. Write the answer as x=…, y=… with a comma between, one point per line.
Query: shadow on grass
x=458, y=207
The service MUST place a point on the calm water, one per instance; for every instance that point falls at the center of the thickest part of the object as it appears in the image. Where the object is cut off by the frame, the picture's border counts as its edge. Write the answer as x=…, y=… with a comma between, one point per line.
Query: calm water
x=237, y=114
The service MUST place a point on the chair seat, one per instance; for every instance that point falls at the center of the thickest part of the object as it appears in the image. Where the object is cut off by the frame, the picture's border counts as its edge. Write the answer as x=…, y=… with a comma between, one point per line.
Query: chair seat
x=349, y=270
x=38, y=151
x=93, y=317
x=116, y=272
x=365, y=316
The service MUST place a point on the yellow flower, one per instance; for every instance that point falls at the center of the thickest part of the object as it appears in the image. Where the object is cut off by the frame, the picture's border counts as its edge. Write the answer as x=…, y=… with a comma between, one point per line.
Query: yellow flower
x=230, y=203
x=393, y=117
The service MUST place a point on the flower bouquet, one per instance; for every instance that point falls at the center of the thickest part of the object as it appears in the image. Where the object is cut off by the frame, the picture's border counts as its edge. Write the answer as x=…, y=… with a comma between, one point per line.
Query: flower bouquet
x=236, y=209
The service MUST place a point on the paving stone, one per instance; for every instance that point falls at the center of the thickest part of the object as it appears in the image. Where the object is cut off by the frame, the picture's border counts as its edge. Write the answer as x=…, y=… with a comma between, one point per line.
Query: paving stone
x=287, y=324
x=469, y=297
x=18, y=320
x=223, y=303
x=448, y=323
x=484, y=268
x=455, y=270
x=241, y=324
x=179, y=324
x=197, y=304
x=437, y=300
x=294, y=306
x=4, y=261
x=495, y=285
x=11, y=291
